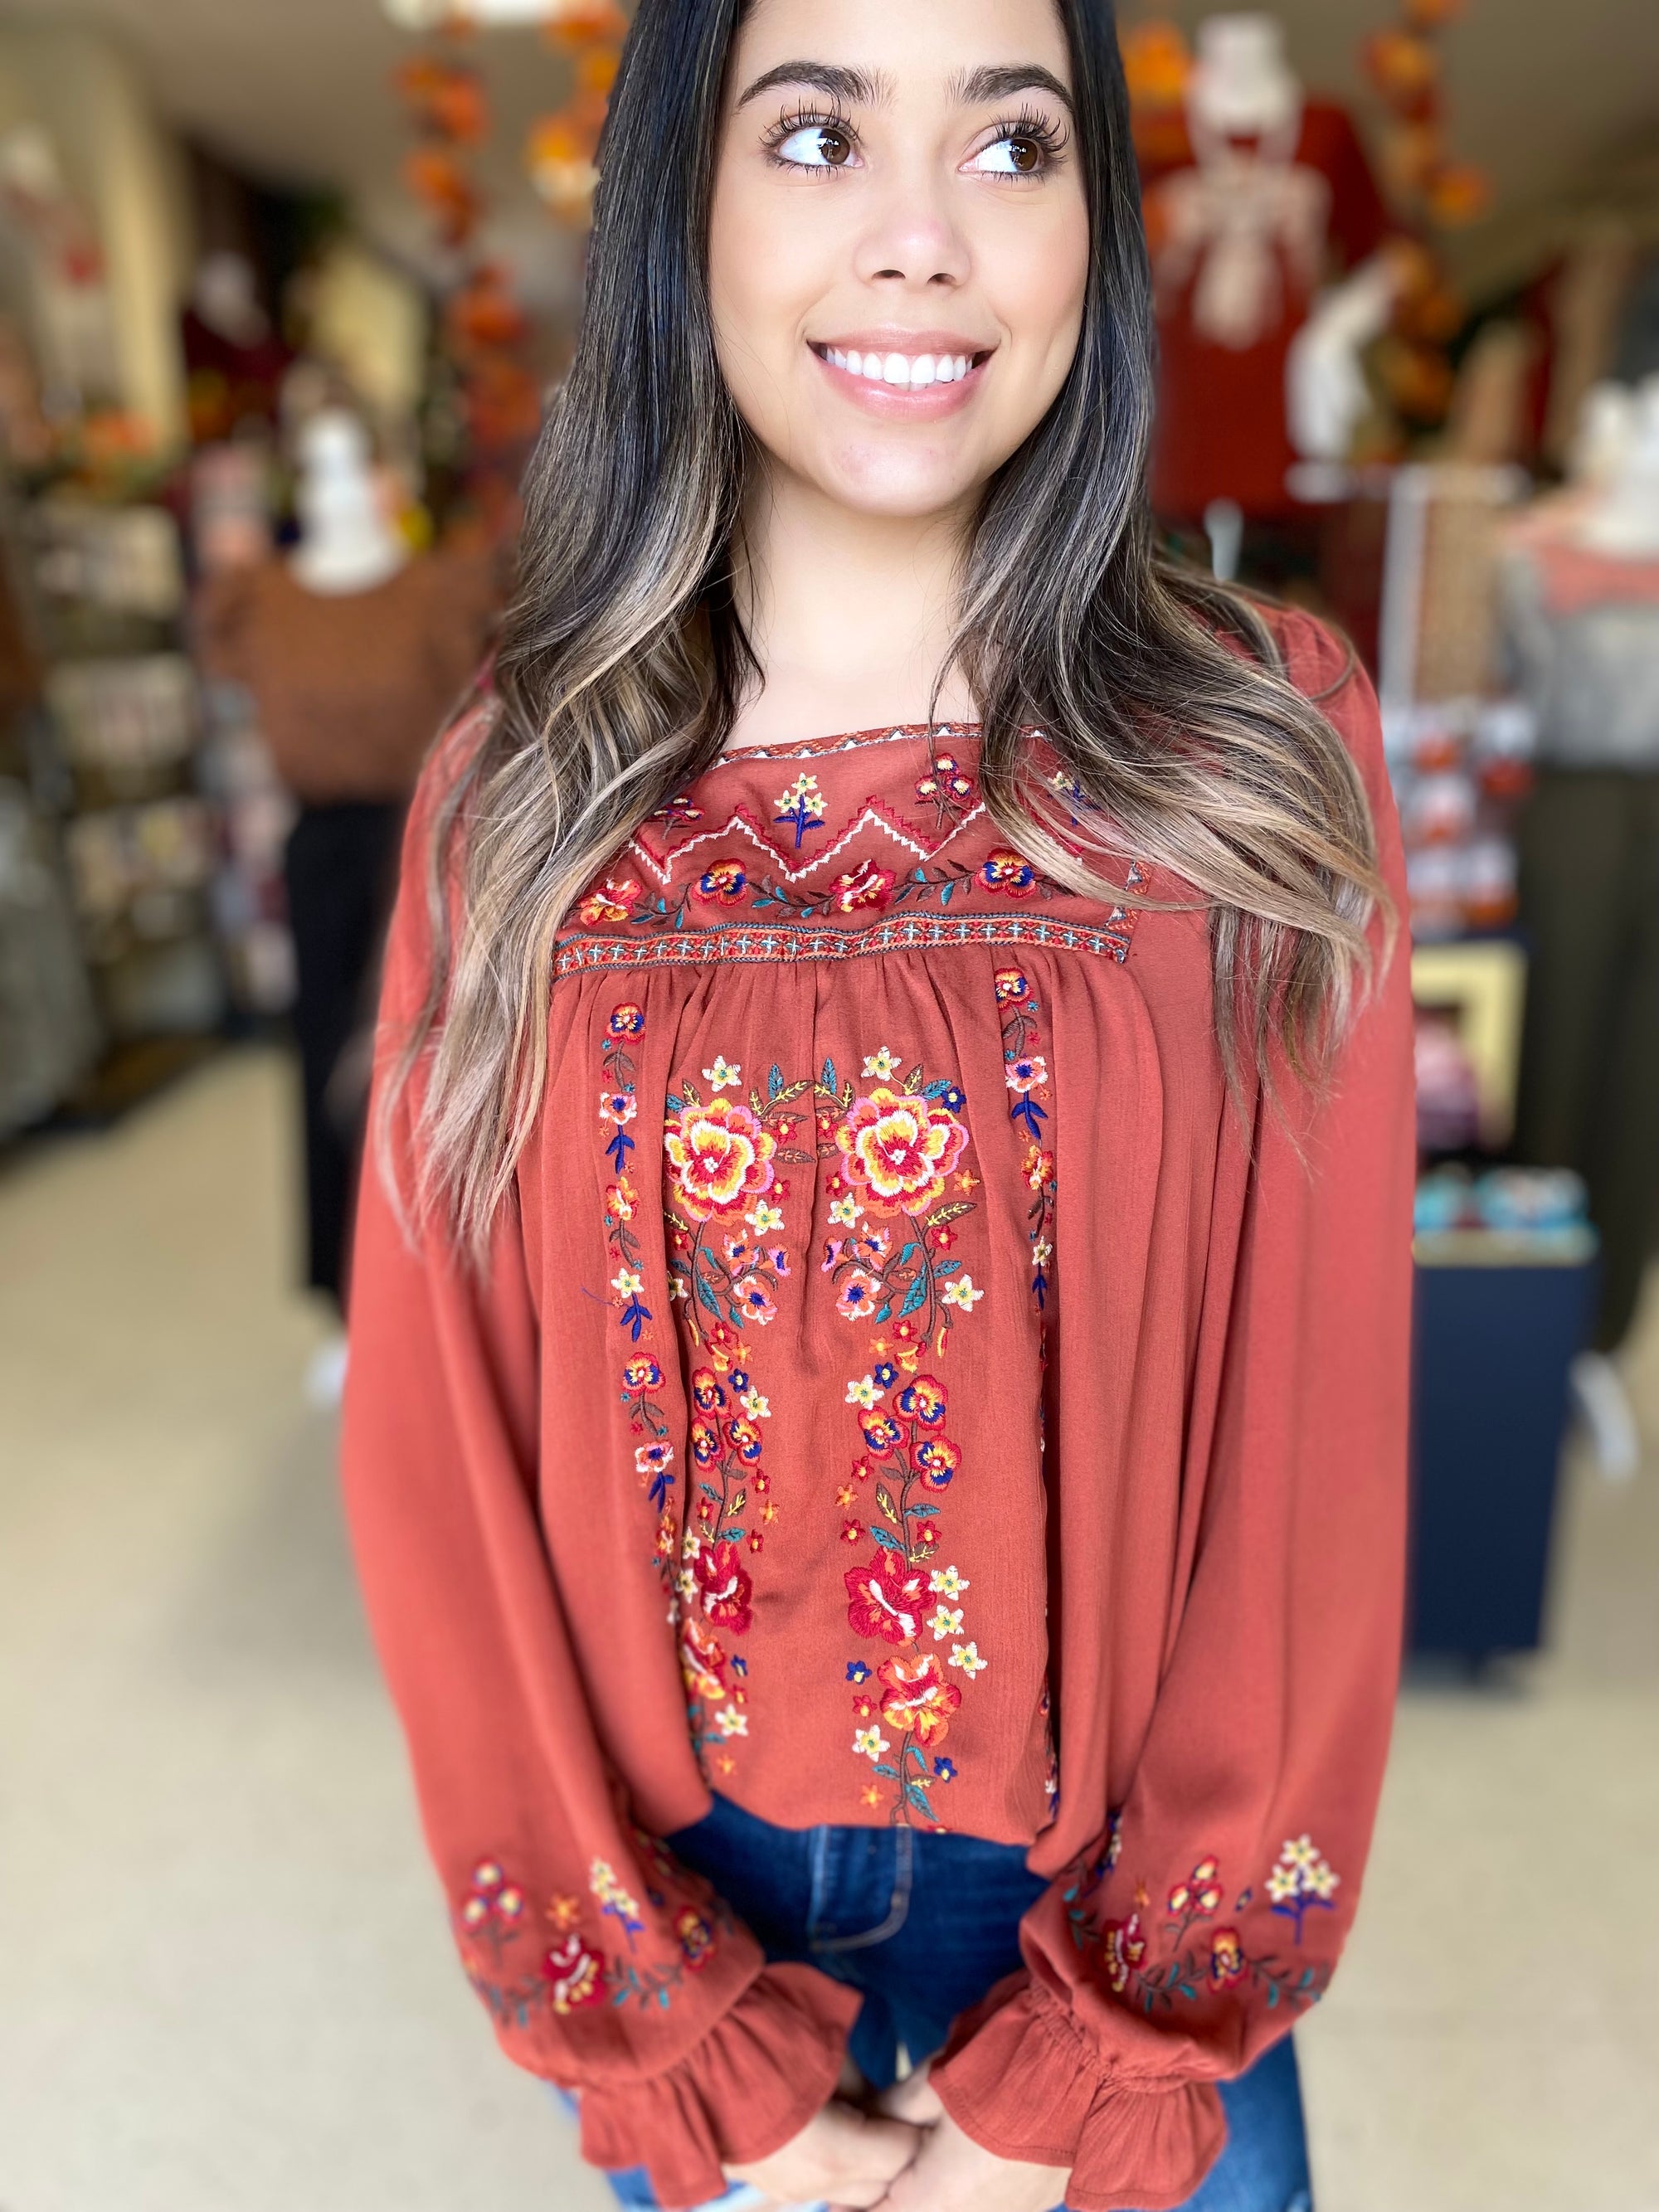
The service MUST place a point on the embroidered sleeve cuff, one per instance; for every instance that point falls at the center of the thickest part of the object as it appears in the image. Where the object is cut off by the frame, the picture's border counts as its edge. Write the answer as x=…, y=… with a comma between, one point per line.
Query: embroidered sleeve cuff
x=755, y=2079
x=1021, y=2078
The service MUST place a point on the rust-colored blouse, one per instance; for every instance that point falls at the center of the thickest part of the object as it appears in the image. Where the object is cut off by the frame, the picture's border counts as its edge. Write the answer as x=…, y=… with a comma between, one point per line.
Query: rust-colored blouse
x=904, y=1389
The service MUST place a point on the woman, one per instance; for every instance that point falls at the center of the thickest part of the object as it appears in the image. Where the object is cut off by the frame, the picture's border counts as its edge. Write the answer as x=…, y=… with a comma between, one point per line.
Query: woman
x=875, y=1437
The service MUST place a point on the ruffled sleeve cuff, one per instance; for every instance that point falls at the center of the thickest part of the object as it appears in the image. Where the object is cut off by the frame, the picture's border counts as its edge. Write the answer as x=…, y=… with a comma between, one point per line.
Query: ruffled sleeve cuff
x=755, y=2079
x=1021, y=2078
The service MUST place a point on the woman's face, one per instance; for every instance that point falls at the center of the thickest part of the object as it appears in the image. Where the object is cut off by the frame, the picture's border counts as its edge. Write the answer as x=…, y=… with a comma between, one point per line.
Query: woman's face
x=899, y=242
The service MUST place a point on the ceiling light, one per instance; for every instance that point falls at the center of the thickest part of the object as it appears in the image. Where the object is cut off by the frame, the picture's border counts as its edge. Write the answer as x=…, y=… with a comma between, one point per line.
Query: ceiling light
x=430, y=15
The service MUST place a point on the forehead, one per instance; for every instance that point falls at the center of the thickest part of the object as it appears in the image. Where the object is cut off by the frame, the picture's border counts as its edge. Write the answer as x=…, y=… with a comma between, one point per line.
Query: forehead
x=906, y=42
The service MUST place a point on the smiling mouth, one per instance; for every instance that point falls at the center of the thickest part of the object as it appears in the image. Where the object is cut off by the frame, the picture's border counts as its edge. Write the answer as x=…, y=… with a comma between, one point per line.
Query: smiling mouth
x=904, y=372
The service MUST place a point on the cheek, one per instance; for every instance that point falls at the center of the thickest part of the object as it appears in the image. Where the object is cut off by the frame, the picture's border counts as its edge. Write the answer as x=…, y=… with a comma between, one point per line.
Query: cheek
x=757, y=293
x=1037, y=281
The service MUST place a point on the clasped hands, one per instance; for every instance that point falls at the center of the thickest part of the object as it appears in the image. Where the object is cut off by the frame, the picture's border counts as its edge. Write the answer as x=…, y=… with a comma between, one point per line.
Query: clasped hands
x=901, y=2152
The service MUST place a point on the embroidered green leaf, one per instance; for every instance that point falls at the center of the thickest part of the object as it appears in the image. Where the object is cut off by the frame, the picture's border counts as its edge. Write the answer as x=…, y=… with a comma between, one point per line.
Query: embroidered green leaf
x=937, y=1089
x=909, y=1253
x=890, y=1773
x=946, y=893
x=828, y=1078
x=885, y=1499
x=709, y=1490
x=885, y=1312
x=915, y=1296
x=706, y=1297
x=1272, y=1995
x=674, y=1102
x=917, y=1794
x=922, y=1512
x=774, y=1082
x=888, y=1543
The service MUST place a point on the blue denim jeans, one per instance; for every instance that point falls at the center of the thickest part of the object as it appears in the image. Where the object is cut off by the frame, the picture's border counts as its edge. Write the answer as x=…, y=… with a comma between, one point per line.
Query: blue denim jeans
x=921, y=1924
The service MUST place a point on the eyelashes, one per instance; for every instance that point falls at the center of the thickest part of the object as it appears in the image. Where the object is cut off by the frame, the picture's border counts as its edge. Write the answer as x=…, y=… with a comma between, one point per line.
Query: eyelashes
x=816, y=141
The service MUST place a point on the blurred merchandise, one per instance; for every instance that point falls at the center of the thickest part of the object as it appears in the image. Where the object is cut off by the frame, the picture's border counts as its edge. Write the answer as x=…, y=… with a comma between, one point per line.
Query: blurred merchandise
x=49, y=1033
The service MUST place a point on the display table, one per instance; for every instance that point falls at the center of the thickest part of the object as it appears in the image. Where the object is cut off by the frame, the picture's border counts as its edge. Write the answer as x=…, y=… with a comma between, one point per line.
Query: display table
x=1499, y=1321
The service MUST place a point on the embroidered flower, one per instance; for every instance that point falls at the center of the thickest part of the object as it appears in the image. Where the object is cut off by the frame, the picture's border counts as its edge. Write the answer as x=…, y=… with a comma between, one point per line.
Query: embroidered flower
x=945, y=783
x=744, y=1438
x=696, y=1935
x=886, y=1598
x=863, y=1390
x=763, y=1217
x=1301, y=1879
x=756, y=1302
x=802, y=805
x=858, y=1297
x=1124, y=1947
x=882, y=1433
x=627, y=1020
x=721, y=1155
x=755, y=1407
x=960, y=1291
x=1226, y=1958
x=1028, y=1072
x=642, y=1373
x=618, y=1107
x=946, y=1769
x=727, y=1589
x=653, y=1459
x=1011, y=987
x=846, y=1210
x=627, y=1284
x=936, y=1460
x=1200, y=1894
x=1009, y=872
x=722, y=883
x=702, y=1661
x=614, y=903
x=865, y=889
x=725, y=1074
x=918, y=1700
x=899, y=1150
x=947, y=1582
x=677, y=812
x=922, y=1400
x=966, y=1655
x=730, y=1722
x=707, y=1389
x=870, y=1743
x=575, y=1976
x=944, y=1622
x=882, y=1063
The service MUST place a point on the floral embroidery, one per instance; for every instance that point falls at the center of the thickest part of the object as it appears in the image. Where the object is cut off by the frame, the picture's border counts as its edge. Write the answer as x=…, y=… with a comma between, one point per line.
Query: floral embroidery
x=575, y=1972
x=1301, y=1880
x=801, y=805
x=677, y=813
x=785, y=944
x=723, y=882
x=1216, y=1958
x=949, y=788
x=613, y=902
x=1027, y=1079
x=864, y=889
x=1010, y=873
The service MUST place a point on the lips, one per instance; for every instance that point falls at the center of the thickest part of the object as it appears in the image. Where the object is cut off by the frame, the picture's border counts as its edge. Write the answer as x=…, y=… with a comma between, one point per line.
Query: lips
x=921, y=365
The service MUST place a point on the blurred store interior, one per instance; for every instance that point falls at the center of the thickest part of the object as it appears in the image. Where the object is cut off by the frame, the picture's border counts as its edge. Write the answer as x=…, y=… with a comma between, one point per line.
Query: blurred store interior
x=281, y=290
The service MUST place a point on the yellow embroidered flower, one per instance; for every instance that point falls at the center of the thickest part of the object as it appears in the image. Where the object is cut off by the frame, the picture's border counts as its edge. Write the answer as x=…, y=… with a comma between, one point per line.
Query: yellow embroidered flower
x=947, y=1582
x=966, y=1655
x=899, y=1149
x=944, y=1622
x=764, y=1216
x=960, y=1291
x=724, y=1075
x=721, y=1157
x=882, y=1063
x=845, y=1210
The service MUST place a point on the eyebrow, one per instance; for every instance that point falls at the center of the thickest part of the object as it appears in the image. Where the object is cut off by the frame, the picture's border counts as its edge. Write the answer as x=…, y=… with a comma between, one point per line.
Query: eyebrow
x=857, y=88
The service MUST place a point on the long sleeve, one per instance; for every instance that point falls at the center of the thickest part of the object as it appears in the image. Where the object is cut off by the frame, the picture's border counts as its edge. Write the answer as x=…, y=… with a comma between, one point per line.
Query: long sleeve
x=1211, y=1909
x=604, y=1965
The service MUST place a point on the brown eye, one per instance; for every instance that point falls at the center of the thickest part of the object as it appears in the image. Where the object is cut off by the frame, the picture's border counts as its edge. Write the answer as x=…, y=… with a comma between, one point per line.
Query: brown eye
x=835, y=147
x=1025, y=155
x=1015, y=153
x=816, y=146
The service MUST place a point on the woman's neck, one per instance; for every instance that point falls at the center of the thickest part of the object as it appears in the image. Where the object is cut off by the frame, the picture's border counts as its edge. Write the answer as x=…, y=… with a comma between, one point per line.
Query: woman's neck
x=850, y=615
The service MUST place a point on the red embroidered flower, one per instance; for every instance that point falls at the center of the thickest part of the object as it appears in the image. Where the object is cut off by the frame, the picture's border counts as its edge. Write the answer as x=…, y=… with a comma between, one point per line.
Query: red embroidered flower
x=722, y=883
x=743, y=1438
x=899, y=1149
x=946, y=782
x=1200, y=1894
x=575, y=1975
x=1011, y=987
x=613, y=902
x=918, y=1697
x=887, y=1598
x=881, y=1431
x=726, y=1588
x=852, y=1532
x=1009, y=872
x=705, y=1441
x=1226, y=1958
x=938, y=1459
x=697, y=1937
x=1125, y=1946
x=865, y=889
x=864, y=1706
x=707, y=1389
x=923, y=1400
x=702, y=1661
x=627, y=1020
x=642, y=1373
x=720, y=1156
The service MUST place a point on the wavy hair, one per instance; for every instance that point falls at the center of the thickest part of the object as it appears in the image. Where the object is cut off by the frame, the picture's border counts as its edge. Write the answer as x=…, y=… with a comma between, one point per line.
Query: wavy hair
x=623, y=659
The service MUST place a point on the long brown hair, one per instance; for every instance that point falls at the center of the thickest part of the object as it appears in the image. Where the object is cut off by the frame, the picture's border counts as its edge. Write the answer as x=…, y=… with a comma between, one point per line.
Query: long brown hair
x=624, y=660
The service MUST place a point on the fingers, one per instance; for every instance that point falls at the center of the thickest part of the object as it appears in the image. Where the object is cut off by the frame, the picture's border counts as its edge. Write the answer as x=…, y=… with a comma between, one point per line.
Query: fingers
x=851, y=2084
x=883, y=2146
x=915, y=2100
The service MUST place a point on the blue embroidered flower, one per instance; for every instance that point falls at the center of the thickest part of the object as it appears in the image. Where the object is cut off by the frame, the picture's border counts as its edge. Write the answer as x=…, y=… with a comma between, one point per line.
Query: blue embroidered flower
x=857, y=1671
x=946, y=1769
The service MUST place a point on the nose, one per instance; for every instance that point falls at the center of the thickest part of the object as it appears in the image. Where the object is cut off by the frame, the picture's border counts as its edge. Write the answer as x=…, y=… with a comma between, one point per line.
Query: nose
x=912, y=242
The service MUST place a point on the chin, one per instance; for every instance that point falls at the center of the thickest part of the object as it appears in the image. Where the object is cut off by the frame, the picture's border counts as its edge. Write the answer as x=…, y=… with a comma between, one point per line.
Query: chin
x=892, y=484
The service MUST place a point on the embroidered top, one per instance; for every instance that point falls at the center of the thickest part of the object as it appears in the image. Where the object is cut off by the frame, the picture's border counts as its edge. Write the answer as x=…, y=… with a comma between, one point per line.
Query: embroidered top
x=904, y=1389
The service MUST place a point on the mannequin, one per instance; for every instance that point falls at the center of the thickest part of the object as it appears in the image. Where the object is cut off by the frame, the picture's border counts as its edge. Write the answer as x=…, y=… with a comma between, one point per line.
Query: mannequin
x=354, y=649
x=1581, y=601
x=1259, y=368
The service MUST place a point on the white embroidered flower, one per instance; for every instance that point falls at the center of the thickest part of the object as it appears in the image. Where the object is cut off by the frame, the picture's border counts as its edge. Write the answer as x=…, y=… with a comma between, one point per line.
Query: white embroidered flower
x=678, y=1287
x=1041, y=1253
x=870, y=1743
x=865, y=1391
x=627, y=1284
x=882, y=1063
x=946, y=1582
x=686, y=1583
x=960, y=1291
x=725, y=1074
x=765, y=1217
x=966, y=1655
x=730, y=1722
x=649, y=1458
x=756, y=1407
x=845, y=1210
x=1282, y=1884
x=944, y=1622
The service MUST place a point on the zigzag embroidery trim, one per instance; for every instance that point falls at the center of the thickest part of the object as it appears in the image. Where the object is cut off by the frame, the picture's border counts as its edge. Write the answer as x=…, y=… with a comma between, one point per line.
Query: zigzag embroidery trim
x=742, y=823
x=792, y=942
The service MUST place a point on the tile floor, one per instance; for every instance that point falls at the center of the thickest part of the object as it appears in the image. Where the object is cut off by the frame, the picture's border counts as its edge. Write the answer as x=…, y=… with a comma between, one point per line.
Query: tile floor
x=224, y=1981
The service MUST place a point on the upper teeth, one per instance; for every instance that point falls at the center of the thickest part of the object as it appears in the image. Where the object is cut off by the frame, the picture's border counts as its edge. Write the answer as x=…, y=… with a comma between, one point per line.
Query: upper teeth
x=917, y=370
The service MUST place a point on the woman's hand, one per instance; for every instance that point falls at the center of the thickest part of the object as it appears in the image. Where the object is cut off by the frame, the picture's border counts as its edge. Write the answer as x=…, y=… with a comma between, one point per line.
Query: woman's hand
x=952, y=2173
x=843, y=2157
